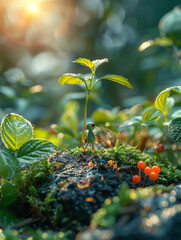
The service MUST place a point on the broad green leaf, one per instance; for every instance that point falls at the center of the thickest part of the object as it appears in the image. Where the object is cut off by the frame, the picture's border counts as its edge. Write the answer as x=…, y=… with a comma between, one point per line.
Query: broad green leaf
x=86, y=62
x=150, y=114
x=34, y=150
x=8, y=194
x=8, y=219
x=175, y=129
x=9, y=165
x=71, y=78
x=99, y=62
x=160, y=101
x=15, y=131
x=118, y=79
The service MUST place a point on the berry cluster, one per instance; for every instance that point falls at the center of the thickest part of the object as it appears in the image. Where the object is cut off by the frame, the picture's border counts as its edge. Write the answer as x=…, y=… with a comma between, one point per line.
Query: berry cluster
x=151, y=172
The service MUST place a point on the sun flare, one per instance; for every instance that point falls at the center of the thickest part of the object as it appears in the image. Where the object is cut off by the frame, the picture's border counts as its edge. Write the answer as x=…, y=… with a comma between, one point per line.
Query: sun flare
x=33, y=8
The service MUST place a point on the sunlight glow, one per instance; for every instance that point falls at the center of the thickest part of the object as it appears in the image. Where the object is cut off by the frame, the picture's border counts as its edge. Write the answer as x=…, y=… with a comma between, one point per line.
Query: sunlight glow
x=32, y=8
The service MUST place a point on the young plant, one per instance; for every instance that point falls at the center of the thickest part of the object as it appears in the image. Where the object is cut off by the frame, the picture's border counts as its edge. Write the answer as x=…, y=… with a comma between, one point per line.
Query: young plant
x=20, y=149
x=90, y=83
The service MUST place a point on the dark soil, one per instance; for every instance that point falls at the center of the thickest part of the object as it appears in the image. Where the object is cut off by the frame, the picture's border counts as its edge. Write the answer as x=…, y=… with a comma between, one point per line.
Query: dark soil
x=82, y=183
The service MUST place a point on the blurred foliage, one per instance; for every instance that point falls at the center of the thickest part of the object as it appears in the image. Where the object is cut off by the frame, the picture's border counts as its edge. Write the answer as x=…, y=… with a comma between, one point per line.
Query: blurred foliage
x=32, y=59
x=113, y=209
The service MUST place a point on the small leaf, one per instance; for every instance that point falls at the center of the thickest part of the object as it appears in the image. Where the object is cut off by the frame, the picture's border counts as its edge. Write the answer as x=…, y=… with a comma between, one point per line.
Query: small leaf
x=8, y=194
x=71, y=78
x=175, y=129
x=150, y=114
x=34, y=150
x=99, y=62
x=9, y=166
x=116, y=78
x=162, y=42
x=86, y=62
x=15, y=131
x=160, y=101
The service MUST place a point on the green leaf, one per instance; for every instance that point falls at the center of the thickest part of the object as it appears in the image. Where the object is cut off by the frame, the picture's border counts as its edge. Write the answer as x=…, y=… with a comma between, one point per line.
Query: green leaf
x=150, y=114
x=99, y=62
x=118, y=79
x=8, y=194
x=9, y=165
x=160, y=102
x=15, y=131
x=86, y=62
x=175, y=129
x=8, y=219
x=34, y=150
x=169, y=104
x=71, y=78
x=162, y=42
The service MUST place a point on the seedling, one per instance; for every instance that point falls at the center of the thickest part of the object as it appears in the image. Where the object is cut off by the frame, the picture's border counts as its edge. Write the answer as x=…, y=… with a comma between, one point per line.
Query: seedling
x=90, y=82
x=90, y=138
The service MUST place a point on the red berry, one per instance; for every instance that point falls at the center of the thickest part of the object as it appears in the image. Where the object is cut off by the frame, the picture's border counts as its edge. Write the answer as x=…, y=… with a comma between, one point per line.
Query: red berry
x=141, y=165
x=136, y=179
x=147, y=170
x=160, y=148
x=156, y=169
x=153, y=176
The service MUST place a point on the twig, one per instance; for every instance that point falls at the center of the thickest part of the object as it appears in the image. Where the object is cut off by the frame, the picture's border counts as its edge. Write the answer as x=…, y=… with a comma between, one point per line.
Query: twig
x=24, y=223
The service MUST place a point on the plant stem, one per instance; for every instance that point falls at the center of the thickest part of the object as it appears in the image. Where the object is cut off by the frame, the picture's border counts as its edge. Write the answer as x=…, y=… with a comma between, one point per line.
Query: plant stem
x=85, y=117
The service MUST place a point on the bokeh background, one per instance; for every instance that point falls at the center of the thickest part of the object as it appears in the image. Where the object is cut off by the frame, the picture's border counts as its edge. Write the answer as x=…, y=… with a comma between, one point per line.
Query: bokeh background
x=39, y=39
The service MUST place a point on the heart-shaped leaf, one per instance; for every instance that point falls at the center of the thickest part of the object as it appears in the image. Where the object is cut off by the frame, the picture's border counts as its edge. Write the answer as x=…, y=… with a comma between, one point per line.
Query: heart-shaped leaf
x=160, y=102
x=34, y=150
x=116, y=78
x=71, y=78
x=175, y=129
x=9, y=165
x=15, y=131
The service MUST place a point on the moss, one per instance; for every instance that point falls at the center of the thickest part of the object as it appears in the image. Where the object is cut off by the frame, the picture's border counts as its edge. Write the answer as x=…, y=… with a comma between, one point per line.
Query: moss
x=34, y=175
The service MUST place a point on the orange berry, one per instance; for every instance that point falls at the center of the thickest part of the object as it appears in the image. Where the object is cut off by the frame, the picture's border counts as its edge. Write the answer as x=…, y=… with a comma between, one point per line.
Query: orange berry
x=141, y=165
x=136, y=179
x=153, y=176
x=156, y=169
x=147, y=170
x=160, y=148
